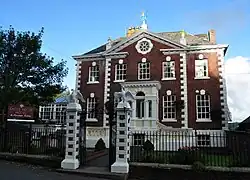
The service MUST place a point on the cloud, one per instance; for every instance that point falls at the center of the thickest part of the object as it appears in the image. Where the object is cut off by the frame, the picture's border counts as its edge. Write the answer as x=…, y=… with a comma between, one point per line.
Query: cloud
x=237, y=72
x=227, y=17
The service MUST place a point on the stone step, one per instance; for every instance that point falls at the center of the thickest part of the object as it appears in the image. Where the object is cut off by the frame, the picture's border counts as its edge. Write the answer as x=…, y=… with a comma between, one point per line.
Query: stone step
x=98, y=172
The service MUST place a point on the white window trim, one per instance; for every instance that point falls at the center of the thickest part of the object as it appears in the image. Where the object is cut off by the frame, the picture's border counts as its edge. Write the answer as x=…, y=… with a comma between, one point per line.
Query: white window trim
x=205, y=77
x=116, y=73
x=197, y=140
x=137, y=46
x=170, y=78
x=92, y=82
x=138, y=70
x=138, y=139
x=196, y=105
x=167, y=119
x=91, y=120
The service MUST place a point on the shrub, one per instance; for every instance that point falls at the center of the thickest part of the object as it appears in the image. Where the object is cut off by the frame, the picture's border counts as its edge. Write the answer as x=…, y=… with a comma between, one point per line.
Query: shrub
x=148, y=146
x=100, y=145
x=187, y=156
x=198, y=166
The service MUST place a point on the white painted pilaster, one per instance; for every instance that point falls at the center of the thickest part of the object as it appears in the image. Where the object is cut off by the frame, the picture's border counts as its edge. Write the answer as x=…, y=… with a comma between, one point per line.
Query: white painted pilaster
x=223, y=90
x=184, y=94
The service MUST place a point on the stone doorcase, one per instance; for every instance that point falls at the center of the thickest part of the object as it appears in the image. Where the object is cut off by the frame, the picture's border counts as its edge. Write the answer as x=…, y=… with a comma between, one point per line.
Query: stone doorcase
x=145, y=107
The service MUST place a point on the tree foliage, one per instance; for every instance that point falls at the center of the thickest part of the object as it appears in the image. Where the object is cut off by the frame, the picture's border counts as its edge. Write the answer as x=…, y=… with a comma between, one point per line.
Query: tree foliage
x=27, y=74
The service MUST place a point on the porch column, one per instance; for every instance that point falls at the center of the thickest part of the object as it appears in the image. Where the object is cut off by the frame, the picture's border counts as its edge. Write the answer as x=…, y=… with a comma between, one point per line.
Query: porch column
x=72, y=137
x=146, y=121
x=146, y=109
x=155, y=112
x=134, y=109
x=122, y=139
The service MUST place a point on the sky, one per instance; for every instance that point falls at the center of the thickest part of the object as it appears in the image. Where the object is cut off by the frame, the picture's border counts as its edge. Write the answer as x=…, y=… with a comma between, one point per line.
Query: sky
x=76, y=26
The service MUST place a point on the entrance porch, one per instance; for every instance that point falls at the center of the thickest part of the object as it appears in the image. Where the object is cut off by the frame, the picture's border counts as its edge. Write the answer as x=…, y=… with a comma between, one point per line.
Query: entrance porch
x=146, y=104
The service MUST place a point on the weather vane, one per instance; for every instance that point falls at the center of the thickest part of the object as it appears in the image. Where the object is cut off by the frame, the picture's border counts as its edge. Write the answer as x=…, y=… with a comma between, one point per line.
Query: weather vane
x=144, y=21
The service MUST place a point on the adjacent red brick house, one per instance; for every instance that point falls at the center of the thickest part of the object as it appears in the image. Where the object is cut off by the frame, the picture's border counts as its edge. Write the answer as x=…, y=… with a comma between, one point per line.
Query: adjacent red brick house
x=176, y=77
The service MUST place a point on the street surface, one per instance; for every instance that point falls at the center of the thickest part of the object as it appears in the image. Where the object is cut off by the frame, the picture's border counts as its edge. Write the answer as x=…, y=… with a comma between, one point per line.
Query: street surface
x=17, y=171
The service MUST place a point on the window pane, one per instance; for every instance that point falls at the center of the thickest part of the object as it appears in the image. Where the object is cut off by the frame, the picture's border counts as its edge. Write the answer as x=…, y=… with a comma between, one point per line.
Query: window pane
x=168, y=69
x=203, y=106
x=169, y=110
x=94, y=73
x=91, y=108
x=121, y=70
x=144, y=71
x=201, y=68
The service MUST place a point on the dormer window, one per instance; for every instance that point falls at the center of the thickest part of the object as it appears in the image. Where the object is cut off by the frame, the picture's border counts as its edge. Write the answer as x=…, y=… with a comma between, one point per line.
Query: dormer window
x=94, y=73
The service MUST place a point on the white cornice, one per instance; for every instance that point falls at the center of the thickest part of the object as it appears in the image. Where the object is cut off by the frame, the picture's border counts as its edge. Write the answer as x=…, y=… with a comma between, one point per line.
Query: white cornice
x=194, y=49
x=98, y=57
x=116, y=55
x=156, y=84
x=210, y=46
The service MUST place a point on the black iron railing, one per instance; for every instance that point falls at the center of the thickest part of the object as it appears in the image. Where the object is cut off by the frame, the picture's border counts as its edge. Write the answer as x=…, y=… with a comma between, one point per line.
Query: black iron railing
x=187, y=147
x=38, y=141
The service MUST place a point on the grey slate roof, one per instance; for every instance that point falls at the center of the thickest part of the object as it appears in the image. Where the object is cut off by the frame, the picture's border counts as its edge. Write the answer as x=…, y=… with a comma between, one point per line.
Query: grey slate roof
x=199, y=39
x=247, y=120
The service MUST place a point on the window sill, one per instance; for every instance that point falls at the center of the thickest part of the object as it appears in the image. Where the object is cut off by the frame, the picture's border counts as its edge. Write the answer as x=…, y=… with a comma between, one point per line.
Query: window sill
x=168, y=79
x=201, y=78
x=92, y=120
x=203, y=120
x=94, y=82
x=117, y=81
x=143, y=119
x=169, y=120
x=143, y=79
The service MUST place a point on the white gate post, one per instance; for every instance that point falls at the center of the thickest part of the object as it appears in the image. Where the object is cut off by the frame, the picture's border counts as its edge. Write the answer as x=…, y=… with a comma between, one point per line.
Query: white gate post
x=122, y=138
x=72, y=136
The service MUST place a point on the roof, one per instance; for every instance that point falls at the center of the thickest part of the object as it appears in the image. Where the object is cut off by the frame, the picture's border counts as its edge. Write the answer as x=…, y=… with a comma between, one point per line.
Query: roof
x=246, y=121
x=63, y=99
x=199, y=39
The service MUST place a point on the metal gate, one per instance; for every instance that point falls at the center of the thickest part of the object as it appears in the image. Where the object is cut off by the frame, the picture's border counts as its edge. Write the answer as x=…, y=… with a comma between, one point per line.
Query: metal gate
x=112, y=140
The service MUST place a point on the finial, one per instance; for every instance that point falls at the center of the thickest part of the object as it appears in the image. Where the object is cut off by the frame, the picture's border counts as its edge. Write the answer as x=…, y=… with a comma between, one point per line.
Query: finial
x=183, y=39
x=183, y=33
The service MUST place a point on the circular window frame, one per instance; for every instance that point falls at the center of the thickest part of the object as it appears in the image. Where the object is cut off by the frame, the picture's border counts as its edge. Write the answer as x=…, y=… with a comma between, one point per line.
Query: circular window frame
x=139, y=44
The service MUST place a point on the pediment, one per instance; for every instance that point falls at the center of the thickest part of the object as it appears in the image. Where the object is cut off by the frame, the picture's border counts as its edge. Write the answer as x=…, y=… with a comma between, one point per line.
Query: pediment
x=139, y=36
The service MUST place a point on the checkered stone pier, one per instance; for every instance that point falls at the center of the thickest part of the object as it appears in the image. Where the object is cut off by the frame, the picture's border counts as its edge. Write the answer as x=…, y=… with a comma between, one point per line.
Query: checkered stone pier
x=72, y=137
x=122, y=140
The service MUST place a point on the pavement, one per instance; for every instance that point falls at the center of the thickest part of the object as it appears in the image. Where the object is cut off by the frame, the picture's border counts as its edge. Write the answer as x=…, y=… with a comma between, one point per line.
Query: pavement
x=13, y=171
x=102, y=161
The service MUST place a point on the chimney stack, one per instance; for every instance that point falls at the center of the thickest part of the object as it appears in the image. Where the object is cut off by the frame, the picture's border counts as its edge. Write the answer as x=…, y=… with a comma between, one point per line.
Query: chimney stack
x=212, y=36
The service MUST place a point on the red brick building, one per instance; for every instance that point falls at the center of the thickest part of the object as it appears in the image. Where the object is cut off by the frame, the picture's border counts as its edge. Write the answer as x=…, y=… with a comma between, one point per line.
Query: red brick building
x=176, y=77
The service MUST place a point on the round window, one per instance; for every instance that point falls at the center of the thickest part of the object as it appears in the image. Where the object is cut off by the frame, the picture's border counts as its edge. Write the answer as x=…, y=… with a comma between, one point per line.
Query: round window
x=144, y=46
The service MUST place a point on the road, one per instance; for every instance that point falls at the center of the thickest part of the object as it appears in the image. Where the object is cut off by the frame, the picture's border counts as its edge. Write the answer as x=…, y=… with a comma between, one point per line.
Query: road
x=13, y=171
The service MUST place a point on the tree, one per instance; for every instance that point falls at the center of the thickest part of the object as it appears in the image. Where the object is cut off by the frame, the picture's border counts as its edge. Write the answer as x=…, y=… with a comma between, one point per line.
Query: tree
x=26, y=74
